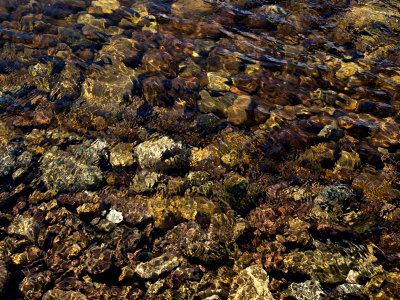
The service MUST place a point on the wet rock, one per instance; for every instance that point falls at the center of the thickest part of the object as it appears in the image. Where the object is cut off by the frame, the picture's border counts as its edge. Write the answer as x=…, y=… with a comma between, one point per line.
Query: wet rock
x=106, y=92
x=218, y=104
x=25, y=227
x=161, y=154
x=62, y=171
x=331, y=132
x=115, y=216
x=251, y=283
x=8, y=158
x=144, y=182
x=4, y=274
x=241, y=112
x=158, y=266
x=159, y=61
x=246, y=82
x=331, y=263
x=97, y=260
x=349, y=289
x=122, y=155
x=217, y=82
x=88, y=211
x=309, y=289
x=104, y=6
x=347, y=160
x=33, y=285
x=57, y=294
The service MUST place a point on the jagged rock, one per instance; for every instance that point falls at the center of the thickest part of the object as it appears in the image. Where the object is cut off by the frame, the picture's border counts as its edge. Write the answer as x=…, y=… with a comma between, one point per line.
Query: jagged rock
x=115, y=216
x=122, y=155
x=33, y=285
x=251, y=283
x=161, y=155
x=62, y=171
x=158, y=266
x=309, y=289
x=57, y=294
x=27, y=228
x=8, y=158
x=145, y=182
x=97, y=260
x=331, y=263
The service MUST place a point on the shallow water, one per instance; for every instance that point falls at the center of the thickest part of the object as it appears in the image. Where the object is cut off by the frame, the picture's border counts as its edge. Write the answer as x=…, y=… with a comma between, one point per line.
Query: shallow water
x=191, y=149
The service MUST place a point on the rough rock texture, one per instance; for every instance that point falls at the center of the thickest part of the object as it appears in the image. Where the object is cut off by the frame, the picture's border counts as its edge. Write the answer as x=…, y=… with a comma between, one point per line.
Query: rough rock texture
x=307, y=290
x=57, y=294
x=161, y=154
x=63, y=171
x=158, y=266
x=251, y=283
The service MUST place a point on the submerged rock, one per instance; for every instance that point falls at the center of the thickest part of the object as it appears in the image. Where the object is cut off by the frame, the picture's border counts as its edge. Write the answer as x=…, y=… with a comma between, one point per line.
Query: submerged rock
x=251, y=283
x=158, y=266
x=309, y=289
x=63, y=171
x=57, y=294
x=161, y=155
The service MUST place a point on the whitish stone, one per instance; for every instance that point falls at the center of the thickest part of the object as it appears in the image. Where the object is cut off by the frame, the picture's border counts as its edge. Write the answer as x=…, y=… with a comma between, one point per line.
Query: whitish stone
x=161, y=154
x=157, y=266
x=251, y=284
x=115, y=216
x=309, y=289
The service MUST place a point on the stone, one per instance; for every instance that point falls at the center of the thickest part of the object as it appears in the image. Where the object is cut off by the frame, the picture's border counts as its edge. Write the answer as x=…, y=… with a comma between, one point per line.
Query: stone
x=122, y=155
x=104, y=6
x=25, y=227
x=218, y=104
x=252, y=284
x=62, y=171
x=347, y=160
x=57, y=294
x=97, y=260
x=33, y=285
x=309, y=289
x=115, y=216
x=4, y=274
x=331, y=132
x=158, y=266
x=217, y=82
x=240, y=112
x=161, y=155
x=144, y=182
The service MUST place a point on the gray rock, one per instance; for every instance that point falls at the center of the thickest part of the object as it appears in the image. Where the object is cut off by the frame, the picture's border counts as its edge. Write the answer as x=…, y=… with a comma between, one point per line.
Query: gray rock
x=62, y=171
x=24, y=227
x=161, y=155
x=157, y=266
x=333, y=195
x=144, y=182
x=8, y=158
x=251, y=284
x=309, y=289
x=349, y=288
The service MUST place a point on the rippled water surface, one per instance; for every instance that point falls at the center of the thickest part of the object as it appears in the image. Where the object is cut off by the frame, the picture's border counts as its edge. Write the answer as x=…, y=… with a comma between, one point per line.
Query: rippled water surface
x=188, y=149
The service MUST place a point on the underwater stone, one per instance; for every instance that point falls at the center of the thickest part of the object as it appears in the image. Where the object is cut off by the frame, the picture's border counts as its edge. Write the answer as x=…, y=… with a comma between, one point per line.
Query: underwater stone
x=158, y=266
x=161, y=155
x=115, y=216
x=252, y=284
x=309, y=289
